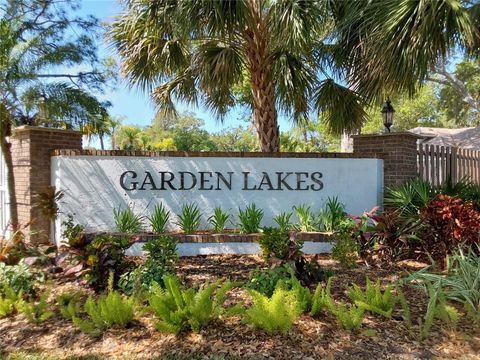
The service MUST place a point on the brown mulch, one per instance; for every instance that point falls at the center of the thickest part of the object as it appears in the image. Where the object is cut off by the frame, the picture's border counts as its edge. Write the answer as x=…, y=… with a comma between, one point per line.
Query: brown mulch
x=310, y=338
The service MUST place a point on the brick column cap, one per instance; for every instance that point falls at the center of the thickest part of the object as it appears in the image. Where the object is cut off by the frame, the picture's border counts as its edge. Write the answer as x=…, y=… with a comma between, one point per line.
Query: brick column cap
x=400, y=133
x=28, y=128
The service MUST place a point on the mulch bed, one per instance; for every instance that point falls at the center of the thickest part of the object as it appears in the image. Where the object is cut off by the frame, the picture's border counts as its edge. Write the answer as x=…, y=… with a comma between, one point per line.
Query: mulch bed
x=310, y=338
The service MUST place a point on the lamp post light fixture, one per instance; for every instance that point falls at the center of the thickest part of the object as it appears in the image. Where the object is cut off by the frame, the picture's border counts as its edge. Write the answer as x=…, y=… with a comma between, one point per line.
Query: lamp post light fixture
x=387, y=114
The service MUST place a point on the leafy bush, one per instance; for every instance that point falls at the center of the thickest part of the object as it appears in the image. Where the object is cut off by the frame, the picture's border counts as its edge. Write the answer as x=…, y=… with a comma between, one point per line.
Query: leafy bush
x=126, y=221
x=250, y=219
x=332, y=214
x=17, y=278
x=275, y=313
x=37, y=312
x=159, y=219
x=161, y=255
x=104, y=255
x=306, y=218
x=189, y=219
x=452, y=221
x=178, y=310
x=107, y=311
x=219, y=219
x=283, y=221
x=73, y=233
x=345, y=249
x=373, y=299
x=321, y=298
x=279, y=244
x=265, y=281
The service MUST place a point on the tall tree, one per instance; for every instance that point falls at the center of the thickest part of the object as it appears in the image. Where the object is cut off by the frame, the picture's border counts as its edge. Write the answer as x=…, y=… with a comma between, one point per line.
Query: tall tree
x=38, y=41
x=200, y=51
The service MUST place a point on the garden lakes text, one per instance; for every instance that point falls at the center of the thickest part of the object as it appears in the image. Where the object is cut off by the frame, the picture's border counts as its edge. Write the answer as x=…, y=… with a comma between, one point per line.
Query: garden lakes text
x=208, y=180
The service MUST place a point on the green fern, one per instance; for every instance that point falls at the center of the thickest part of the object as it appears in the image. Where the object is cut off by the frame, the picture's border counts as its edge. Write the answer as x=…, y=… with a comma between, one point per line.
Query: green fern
x=406, y=313
x=69, y=305
x=178, y=310
x=109, y=310
x=349, y=316
x=373, y=300
x=11, y=302
x=37, y=312
x=321, y=298
x=275, y=313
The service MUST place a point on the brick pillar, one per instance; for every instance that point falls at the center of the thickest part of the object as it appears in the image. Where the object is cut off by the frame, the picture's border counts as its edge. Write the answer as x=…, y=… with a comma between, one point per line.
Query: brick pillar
x=398, y=151
x=31, y=150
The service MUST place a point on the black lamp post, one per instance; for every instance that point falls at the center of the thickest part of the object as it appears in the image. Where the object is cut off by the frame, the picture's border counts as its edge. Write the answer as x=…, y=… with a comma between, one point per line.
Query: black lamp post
x=387, y=114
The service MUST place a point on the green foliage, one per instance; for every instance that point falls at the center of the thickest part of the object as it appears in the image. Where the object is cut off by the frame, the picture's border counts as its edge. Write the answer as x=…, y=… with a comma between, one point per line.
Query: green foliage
x=321, y=298
x=265, y=281
x=107, y=311
x=306, y=218
x=283, y=221
x=161, y=255
x=189, y=219
x=178, y=310
x=332, y=214
x=250, y=219
x=17, y=278
x=37, y=312
x=219, y=219
x=345, y=249
x=462, y=282
x=406, y=313
x=275, y=313
x=349, y=316
x=126, y=221
x=69, y=304
x=159, y=219
x=73, y=232
x=104, y=255
x=373, y=299
x=279, y=244
x=10, y=302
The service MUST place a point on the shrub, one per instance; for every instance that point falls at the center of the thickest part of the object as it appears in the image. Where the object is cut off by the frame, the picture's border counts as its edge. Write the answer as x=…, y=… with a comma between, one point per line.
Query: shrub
x=159, y=219
x=452, y=221
x=107, y=311
x=126, y=221
x=283, y=221
x=178, y=310
x=345, y=249
x=265, y=281
x=161, y=255
x=250, y=219
x=279, y=244
x=189, y=219
x=306, y=218
x=73, y=233
x=275, y=313
x=332, y=214
x=219, y=219
x=17, y=278
x=104, y=255
x=373, y=299
x=37, y=312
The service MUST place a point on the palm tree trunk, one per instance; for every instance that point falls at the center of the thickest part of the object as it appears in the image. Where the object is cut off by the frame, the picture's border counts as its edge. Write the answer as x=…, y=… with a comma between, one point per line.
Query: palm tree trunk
x=102, y=146
x=7, y=156
x=263, y=90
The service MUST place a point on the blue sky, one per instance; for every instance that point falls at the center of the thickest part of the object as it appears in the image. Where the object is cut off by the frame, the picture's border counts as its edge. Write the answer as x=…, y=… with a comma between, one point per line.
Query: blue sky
x=132, y=103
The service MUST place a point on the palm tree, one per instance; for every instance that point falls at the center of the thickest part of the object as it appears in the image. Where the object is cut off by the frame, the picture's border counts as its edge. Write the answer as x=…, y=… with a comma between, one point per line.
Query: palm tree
x=33, y=44
x=127, y=137
x=201, y=51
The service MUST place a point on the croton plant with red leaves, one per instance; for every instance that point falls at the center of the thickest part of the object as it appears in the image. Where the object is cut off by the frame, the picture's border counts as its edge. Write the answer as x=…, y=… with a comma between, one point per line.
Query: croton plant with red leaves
x=452, y=221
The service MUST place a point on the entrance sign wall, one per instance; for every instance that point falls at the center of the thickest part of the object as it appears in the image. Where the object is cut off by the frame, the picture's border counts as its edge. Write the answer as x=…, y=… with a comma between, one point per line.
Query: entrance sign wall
x=95, y=185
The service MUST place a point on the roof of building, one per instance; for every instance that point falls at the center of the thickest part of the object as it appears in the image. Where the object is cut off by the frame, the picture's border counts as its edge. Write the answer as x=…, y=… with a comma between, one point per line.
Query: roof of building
x=467, y=138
